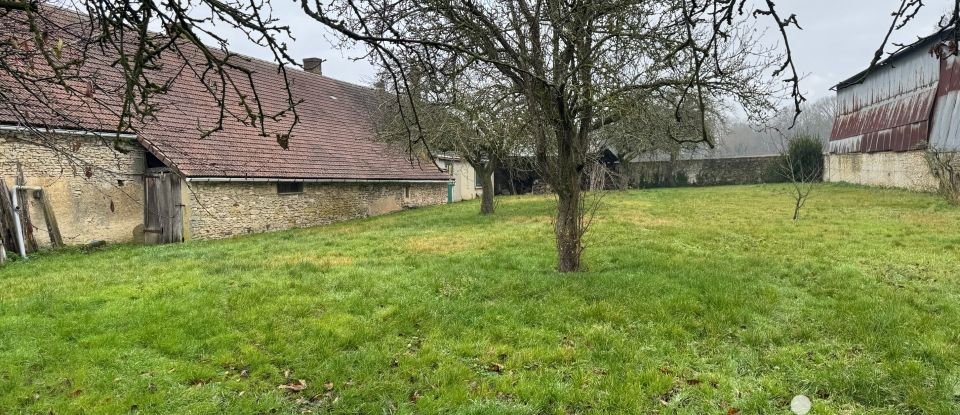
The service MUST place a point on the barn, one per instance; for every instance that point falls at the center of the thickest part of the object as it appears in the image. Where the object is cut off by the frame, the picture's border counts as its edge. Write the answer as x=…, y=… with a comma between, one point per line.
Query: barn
x=178, y=177
x=890, y=117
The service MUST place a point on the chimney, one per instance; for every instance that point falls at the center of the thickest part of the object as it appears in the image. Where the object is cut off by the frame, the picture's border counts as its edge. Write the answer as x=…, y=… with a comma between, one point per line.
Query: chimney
x=313, y=65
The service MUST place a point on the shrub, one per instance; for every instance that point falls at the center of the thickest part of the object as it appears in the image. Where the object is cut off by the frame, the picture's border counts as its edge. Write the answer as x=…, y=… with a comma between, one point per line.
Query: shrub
x=945, y=167
x=803, y=159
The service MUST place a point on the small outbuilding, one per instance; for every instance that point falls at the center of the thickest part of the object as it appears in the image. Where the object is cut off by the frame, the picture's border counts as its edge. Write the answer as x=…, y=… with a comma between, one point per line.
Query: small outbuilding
x=466, y=185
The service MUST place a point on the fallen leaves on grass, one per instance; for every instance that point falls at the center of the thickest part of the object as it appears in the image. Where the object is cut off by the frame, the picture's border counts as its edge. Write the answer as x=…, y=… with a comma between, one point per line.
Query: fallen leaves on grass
x=296, y=386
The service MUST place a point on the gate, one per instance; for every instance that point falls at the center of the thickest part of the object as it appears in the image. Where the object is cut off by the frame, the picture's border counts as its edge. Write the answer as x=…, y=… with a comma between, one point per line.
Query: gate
x=162, y=208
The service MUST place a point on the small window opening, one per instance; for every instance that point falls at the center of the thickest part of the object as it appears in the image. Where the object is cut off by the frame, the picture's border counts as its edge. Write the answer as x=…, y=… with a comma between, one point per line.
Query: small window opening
x=406, y=191
x=153, y=161
x=120, y=183
x=287, y=188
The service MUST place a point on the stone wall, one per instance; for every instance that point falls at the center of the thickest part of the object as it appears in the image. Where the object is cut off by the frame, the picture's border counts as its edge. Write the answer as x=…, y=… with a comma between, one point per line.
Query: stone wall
x=219, y=210
x=703, y=172
x=96, y=192
x=907, y=170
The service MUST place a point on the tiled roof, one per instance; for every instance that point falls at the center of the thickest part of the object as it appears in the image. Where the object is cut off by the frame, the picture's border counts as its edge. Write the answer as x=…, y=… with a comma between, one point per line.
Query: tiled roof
x=334, y=138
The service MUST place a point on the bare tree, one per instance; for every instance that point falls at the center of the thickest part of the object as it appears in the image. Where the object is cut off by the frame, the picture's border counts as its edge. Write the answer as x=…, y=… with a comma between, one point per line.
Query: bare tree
x=906, y=13
x=575, y=63
x=817, y=118
x=801, y=163
x=479, y=122
x=945, y=167
x=654, y=129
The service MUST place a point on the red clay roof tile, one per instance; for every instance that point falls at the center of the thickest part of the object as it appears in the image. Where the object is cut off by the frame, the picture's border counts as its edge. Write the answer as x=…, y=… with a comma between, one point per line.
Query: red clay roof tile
x=334, y=138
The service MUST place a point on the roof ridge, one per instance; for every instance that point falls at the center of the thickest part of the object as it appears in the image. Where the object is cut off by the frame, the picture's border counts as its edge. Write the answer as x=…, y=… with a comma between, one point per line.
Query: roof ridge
x=894, y=56
x=249, y=58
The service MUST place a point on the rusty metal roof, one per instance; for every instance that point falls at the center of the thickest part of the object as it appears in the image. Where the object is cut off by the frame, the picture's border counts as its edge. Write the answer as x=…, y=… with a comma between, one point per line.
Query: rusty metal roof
x=908, y=102
x=945, y=130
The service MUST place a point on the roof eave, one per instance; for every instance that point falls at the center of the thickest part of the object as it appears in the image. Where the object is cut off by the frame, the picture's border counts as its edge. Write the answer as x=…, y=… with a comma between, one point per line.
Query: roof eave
x=225, y=179
x=860, y=76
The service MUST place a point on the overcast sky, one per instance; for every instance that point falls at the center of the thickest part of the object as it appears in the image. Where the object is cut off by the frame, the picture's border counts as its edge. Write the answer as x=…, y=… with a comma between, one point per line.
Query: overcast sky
x=837, y=41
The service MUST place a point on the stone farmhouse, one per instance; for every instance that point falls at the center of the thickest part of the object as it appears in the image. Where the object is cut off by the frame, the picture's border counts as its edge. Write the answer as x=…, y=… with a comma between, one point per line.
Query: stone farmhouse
x=164, y=181
x=888, y=118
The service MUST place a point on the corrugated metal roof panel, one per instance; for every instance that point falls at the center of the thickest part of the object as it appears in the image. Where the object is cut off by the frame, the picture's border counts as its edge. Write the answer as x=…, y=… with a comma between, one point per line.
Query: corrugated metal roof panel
x=945, y=131
x=895, y=58
x=890, y=109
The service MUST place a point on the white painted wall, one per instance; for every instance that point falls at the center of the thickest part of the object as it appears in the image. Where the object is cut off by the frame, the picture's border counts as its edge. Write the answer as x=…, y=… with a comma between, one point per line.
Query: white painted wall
x=465, y=186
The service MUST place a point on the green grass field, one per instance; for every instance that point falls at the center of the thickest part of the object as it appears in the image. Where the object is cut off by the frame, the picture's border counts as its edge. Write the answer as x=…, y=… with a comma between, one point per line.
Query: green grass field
x=698, y=300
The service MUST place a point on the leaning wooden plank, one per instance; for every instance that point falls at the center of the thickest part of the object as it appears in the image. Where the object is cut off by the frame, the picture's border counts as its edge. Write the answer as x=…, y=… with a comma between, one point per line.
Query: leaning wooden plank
x=3, y=249
x=29, y=239
x=7, y=227
x=53, y=229
x=23, y=208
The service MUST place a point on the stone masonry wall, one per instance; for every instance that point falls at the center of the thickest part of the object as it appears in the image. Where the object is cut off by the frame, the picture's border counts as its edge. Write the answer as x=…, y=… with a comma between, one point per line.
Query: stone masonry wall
x=908, y=170
x=219, y=210
x=704, y=172
x=96, y=192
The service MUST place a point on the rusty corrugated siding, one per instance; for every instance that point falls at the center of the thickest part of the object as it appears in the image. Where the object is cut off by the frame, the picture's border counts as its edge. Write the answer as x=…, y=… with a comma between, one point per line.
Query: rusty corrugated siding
x=912, y=101
x=945, y=132
x=890, y=110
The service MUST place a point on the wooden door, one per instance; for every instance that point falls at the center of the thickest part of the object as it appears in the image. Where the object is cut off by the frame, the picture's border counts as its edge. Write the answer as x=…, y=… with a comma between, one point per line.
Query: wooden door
x=162, y=208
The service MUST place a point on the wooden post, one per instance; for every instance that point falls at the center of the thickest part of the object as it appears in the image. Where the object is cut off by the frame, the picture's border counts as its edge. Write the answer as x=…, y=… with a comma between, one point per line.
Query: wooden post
x=53, y=229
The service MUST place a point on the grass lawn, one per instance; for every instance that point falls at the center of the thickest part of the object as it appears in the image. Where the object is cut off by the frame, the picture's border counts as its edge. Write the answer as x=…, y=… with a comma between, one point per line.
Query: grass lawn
x=699, y=301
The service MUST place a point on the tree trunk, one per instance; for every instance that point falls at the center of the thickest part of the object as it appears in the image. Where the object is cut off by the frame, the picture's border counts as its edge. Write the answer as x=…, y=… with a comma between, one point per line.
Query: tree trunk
x=512, y=179
x=568, y=229
x=569, y=225
x=486, y=192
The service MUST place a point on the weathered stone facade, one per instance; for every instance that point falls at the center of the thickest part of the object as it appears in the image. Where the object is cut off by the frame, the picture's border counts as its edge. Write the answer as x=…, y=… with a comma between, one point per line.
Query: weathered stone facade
x=96, y=192
x=223, y=209
x=908, y=169
x=704, y=172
